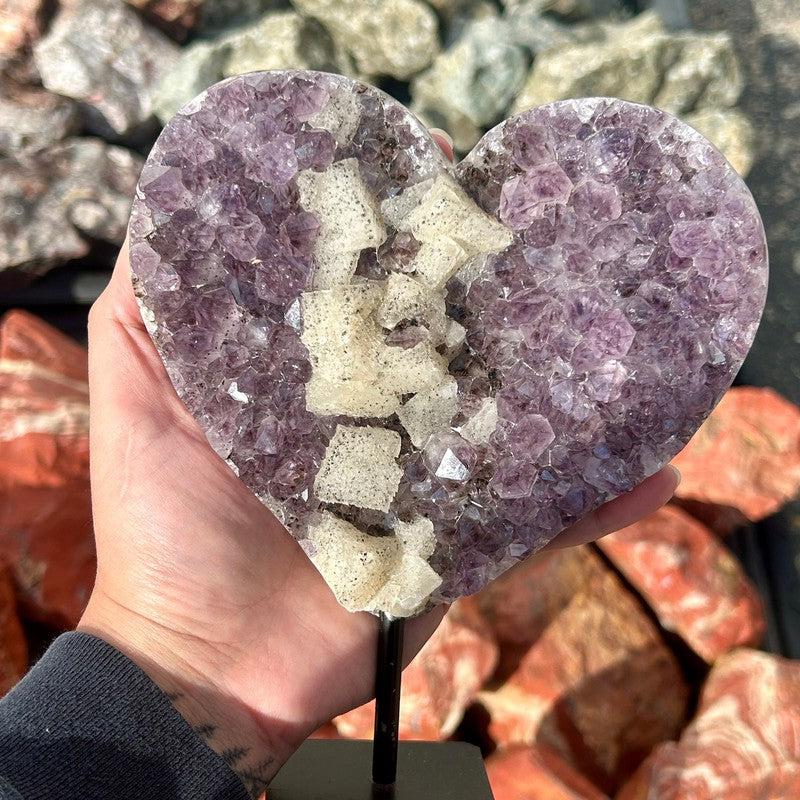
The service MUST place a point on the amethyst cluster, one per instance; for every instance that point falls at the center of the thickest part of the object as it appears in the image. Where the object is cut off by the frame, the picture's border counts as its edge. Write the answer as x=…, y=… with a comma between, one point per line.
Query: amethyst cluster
x=427, y=373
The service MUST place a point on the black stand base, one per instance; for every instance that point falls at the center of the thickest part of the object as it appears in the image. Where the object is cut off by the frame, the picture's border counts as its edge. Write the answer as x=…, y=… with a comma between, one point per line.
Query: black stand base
x=341, y=770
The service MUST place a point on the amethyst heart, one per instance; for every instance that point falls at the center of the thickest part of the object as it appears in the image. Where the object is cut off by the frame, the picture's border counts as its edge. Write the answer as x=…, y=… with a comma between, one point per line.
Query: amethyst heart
x=425, y=372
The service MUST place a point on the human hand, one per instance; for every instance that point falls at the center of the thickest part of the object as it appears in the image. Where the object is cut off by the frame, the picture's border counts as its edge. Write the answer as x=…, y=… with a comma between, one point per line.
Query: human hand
x=200, y=585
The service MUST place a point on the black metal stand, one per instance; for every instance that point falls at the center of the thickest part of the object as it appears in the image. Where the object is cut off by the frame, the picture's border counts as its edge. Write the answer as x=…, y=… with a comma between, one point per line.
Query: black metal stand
x=339, y=770
x=389, y=670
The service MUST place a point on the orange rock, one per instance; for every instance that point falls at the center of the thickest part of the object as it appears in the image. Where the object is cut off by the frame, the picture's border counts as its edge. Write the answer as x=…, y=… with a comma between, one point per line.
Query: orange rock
x=13, y=648
x=439, y=683
x=522, y=602
x=536, y=773
x=45, y=511
x=599, y=686
x=744, y=743
x=695, y=586
x=746, y=456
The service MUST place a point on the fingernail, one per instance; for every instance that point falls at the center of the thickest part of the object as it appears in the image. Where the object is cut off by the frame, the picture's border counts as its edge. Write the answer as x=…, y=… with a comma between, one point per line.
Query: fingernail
x=444, y=134
x=676, y=472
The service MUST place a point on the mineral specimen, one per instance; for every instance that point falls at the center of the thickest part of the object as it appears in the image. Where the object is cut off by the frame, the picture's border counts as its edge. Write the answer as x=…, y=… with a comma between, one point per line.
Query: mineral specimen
x=746, y=457
x=598, y=685
x=692, y=582
x=743, y=742
x=428, y=373
x=46, y=532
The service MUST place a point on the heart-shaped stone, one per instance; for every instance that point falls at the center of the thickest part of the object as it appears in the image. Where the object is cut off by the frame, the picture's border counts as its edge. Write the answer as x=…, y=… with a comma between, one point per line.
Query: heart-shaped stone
x=427, y=373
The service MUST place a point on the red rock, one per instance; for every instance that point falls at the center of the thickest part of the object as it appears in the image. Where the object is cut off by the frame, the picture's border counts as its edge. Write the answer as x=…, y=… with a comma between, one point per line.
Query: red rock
x=13, y=649
x=599, y=686
x=536, y=773
x=45, y=512
x=440, y=682
x=690, y=580
x=522, y=602
x=746, y=455
x=175, y=17
x=744, y=743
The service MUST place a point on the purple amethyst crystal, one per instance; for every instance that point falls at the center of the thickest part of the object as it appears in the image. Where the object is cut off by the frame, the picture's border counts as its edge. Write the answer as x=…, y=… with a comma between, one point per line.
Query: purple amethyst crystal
x=439, y=367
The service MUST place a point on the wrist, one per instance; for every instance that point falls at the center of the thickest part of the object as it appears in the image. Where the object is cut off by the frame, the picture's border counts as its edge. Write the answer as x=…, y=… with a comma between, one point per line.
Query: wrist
x=191, y=673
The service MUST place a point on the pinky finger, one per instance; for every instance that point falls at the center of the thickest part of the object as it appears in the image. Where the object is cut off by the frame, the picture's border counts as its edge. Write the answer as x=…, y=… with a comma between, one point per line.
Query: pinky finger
x=622, y=511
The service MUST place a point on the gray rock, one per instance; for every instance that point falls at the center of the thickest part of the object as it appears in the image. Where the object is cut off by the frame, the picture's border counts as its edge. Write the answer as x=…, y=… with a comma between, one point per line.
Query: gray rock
x=526, y=26
x=471, y=84
x=53, y=201
x=221, y=15
x=575, y=10
x=458, y=15
x=31, y=119
x=200, y=65
x=702, y=71
x=284, y=40
x=640, y=61
x=384, y=37
x=731, y=131
x=280, y=40
x=101, y=53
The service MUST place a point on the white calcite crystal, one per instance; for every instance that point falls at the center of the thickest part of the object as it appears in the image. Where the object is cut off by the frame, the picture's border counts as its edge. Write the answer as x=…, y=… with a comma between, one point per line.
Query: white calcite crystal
x=339, y=117
x=452, y=229
x=430, y=411
x=354, y=371
x=375, y=573
x=397, y=207
x=413, y=370
x=417, y=536
x=447, y=211
x=360, y=468
x=407, y=298
x=479, y=427
x=437, y=261
x=355, y=398
x=342, y=340
x=349, y=219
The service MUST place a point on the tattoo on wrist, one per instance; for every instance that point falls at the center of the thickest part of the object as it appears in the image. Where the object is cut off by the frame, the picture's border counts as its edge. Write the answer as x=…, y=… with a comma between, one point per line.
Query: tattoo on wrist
x=254, y=770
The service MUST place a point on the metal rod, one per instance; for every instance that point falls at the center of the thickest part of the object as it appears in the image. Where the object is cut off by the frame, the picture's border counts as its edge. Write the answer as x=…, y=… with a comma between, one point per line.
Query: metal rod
x=389, y=669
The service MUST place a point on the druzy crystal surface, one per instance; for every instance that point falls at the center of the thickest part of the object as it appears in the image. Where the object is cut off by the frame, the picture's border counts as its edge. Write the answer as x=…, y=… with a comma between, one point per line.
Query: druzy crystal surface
x=428, y=372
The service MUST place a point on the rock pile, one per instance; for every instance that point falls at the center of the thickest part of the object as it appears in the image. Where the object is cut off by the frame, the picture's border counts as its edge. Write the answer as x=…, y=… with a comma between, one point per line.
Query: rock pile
x=117, y=69
x=574, y=667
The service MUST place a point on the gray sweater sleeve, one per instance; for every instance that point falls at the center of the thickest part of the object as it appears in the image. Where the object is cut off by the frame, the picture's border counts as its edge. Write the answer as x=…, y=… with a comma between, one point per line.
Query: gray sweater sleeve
x=86, y=723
